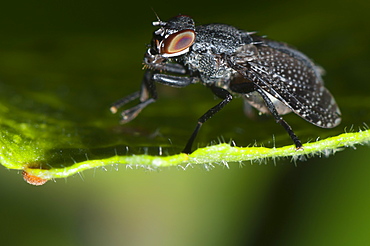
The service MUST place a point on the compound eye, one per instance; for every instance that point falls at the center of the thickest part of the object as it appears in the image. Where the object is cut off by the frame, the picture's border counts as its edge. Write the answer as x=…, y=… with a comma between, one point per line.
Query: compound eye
x=178, y=42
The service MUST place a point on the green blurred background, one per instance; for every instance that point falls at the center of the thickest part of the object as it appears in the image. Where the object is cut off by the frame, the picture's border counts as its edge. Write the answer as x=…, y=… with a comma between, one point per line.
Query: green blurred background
x=45, y=45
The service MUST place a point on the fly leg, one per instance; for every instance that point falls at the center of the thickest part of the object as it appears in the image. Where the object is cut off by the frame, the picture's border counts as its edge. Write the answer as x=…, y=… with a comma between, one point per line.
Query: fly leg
x=143, y=94
x=226, y=98
x=121, y=102
x=249, y=87
x=279, y=119
x=148, y=92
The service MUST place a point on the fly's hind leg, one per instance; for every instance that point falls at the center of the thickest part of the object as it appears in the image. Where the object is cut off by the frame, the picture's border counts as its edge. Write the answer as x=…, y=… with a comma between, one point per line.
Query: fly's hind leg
x=279, y=119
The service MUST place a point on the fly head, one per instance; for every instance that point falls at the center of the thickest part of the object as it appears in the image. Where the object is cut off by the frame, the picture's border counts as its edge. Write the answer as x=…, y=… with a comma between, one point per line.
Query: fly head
x=172, y=39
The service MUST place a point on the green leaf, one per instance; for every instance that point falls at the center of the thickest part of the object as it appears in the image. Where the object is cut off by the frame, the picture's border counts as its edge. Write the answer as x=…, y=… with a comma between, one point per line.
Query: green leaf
x=49, y=143
x=221, y=154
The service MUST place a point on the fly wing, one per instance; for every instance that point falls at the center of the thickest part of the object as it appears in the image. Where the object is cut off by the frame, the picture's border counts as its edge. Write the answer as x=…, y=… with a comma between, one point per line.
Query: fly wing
x=291, y=77
x=255, y=99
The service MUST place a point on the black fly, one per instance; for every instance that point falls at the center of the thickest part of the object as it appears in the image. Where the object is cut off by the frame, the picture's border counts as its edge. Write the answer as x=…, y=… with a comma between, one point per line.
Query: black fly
x=271, y=76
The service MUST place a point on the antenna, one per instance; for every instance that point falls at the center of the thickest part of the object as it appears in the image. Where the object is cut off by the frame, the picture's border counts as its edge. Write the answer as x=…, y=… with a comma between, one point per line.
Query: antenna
x=158, y=22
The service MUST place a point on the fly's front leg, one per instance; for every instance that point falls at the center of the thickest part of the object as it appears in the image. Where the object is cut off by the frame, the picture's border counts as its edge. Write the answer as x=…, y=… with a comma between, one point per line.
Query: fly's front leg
x=148, y=92
x=116, y=105
x=146, y=86
x=142, y=94
x=147, y=96
x=174, y=81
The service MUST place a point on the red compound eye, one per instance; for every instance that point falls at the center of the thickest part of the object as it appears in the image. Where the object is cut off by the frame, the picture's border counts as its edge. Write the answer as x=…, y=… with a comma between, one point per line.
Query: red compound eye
x=178, y=42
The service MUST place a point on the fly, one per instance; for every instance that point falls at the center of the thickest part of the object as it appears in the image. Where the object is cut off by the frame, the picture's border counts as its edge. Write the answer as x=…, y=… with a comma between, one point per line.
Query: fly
x=271, y=76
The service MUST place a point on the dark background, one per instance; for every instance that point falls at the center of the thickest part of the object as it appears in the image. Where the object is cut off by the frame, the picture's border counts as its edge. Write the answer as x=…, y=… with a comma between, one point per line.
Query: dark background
x=323, y=201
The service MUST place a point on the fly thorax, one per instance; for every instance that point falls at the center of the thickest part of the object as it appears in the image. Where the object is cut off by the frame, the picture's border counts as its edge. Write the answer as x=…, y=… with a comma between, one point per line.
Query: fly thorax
x=211, y=68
